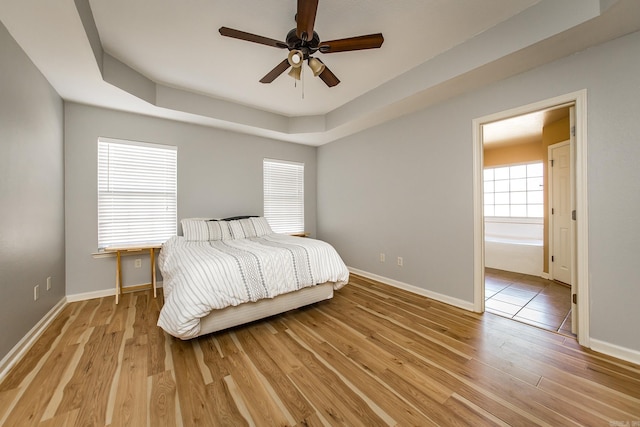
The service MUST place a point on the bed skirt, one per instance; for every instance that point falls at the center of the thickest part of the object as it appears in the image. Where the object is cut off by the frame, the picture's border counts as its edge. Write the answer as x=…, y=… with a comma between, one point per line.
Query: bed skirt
x=228, y=317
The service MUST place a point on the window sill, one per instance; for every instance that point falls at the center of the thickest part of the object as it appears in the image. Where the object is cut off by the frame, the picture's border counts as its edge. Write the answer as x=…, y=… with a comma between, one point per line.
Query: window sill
x=513, y=220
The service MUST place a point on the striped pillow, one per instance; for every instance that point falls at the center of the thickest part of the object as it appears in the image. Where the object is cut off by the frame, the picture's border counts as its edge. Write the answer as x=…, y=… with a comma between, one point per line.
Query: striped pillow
x=248, y=228
x=218, y=230
x=235, y=227
x=195, y=229
x=261, y=226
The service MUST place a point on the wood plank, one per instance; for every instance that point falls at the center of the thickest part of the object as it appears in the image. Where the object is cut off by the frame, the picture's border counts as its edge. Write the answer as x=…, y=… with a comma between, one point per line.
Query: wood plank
x=33, y=402
x=156, y=353
x=255, y=396
x=7, y=400
x=67, y=419
x=194, y=399
x=103, y=313
x=384, y=364
x=30, y=360
x=294, y=400
x=588, y=403
x=156, y=338
x=142, y=324
x=162, y=400
x=332, y=398
x=132, y=385
x=390, y=401
x=119, y=319
x=88, y=389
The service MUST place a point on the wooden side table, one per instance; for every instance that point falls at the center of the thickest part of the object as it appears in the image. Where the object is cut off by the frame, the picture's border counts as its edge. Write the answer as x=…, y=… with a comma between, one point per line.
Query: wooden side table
x=134, y=248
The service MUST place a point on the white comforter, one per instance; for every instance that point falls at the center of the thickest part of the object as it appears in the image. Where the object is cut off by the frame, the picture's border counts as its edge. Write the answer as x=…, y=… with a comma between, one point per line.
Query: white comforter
x=199, y=277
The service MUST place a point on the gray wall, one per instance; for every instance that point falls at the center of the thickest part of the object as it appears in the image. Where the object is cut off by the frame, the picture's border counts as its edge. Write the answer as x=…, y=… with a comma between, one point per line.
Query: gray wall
x=31, y=194
x=405, y=187
x=219, y=175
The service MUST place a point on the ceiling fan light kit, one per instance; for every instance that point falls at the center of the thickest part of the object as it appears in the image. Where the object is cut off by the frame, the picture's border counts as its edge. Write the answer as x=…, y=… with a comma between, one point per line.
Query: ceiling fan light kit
x=316, y=66
x=295, y=58
x=302, y=42
x=295, y=72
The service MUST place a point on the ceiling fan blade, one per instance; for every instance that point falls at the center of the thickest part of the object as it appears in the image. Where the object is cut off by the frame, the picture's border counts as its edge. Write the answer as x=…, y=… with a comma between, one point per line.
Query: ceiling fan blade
x=328, y=77
x=241, y=35
x=306, y=18
x=279, y=69
x=370, y=41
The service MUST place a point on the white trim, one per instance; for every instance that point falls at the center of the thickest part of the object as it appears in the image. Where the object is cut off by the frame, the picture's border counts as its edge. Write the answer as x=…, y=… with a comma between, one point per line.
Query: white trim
x=617, y=351
x=102, y=293
x=579, y=100
x=18, y=350
x=91, y=295
x=478, y=218
x=465, y=305
x=582, y=216
x=138, y=143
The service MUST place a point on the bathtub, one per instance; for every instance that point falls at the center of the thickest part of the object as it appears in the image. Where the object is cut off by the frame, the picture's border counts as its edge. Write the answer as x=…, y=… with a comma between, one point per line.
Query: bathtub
x=514, y=246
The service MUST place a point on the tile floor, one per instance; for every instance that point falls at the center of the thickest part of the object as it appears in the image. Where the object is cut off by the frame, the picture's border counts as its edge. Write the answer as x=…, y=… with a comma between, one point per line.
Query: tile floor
x=528, y=299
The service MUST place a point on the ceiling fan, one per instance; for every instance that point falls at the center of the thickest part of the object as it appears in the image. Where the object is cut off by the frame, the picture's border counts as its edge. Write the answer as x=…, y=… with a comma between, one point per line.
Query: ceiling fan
x=302, y=42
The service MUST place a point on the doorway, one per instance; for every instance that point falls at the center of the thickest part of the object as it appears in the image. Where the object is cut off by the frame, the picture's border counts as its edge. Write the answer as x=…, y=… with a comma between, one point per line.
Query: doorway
x=578, y=228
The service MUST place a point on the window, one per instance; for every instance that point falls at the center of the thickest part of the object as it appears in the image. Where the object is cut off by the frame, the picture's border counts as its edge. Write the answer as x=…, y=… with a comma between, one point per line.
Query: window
x=137, y=192
x=514, y=191
x=284, y=195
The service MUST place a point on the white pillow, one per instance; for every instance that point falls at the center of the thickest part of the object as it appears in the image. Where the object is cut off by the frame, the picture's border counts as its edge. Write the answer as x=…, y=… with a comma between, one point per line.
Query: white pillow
x=247, y=227
x=195, y=229
x=261, y=226
x=235, y=227
x=219, y=230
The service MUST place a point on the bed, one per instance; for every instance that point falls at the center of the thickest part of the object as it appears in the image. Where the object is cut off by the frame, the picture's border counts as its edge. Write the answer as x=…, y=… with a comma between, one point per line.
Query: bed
x=223, y=273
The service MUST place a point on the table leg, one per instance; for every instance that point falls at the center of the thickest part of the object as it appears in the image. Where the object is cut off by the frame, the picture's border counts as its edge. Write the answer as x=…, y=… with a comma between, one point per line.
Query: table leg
x=118, y=277
x=152, y=255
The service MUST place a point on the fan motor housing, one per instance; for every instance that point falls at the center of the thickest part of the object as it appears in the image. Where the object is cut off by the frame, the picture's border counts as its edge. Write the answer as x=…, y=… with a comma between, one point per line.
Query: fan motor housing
x=294, y=42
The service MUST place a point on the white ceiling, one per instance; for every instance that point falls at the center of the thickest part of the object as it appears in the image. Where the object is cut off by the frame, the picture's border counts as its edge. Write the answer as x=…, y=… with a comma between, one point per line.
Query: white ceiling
x=167, y=59
x=177, y=43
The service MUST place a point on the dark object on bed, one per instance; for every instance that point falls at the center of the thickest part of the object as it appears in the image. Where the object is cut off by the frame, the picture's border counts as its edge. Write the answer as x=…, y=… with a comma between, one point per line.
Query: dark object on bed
x=233, y=218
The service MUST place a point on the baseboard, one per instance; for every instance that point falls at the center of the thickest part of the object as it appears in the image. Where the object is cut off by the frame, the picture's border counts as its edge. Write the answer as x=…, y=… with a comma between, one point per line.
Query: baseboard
x=614, y=350
x=465, y=305
x=16, y=353
x=101, y=294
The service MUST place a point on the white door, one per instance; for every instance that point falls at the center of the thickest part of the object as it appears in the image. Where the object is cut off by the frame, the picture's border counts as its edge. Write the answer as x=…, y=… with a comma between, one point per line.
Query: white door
x=561, y=235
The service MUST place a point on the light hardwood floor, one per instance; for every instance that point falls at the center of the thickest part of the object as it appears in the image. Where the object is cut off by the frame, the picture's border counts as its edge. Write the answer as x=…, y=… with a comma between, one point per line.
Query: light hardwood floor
x=374, y=355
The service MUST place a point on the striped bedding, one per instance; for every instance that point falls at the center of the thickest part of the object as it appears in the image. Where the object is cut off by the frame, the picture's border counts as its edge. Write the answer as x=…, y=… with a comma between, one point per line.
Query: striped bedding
x=202, y=276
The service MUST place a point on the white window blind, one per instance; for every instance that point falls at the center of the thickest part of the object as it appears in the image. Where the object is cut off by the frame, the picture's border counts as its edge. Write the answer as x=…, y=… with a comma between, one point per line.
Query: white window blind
x=137, y=192
x=284, y=195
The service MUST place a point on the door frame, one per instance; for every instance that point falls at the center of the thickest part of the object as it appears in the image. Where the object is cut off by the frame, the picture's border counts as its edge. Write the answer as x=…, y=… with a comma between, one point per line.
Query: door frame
x=580, y=267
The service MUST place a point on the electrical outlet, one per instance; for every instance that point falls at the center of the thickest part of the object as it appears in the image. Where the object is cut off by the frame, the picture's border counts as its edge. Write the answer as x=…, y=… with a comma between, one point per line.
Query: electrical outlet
x=138, y=262
x=400, y=261
x=382, y=257
x=48, y=282
x=36, y=292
